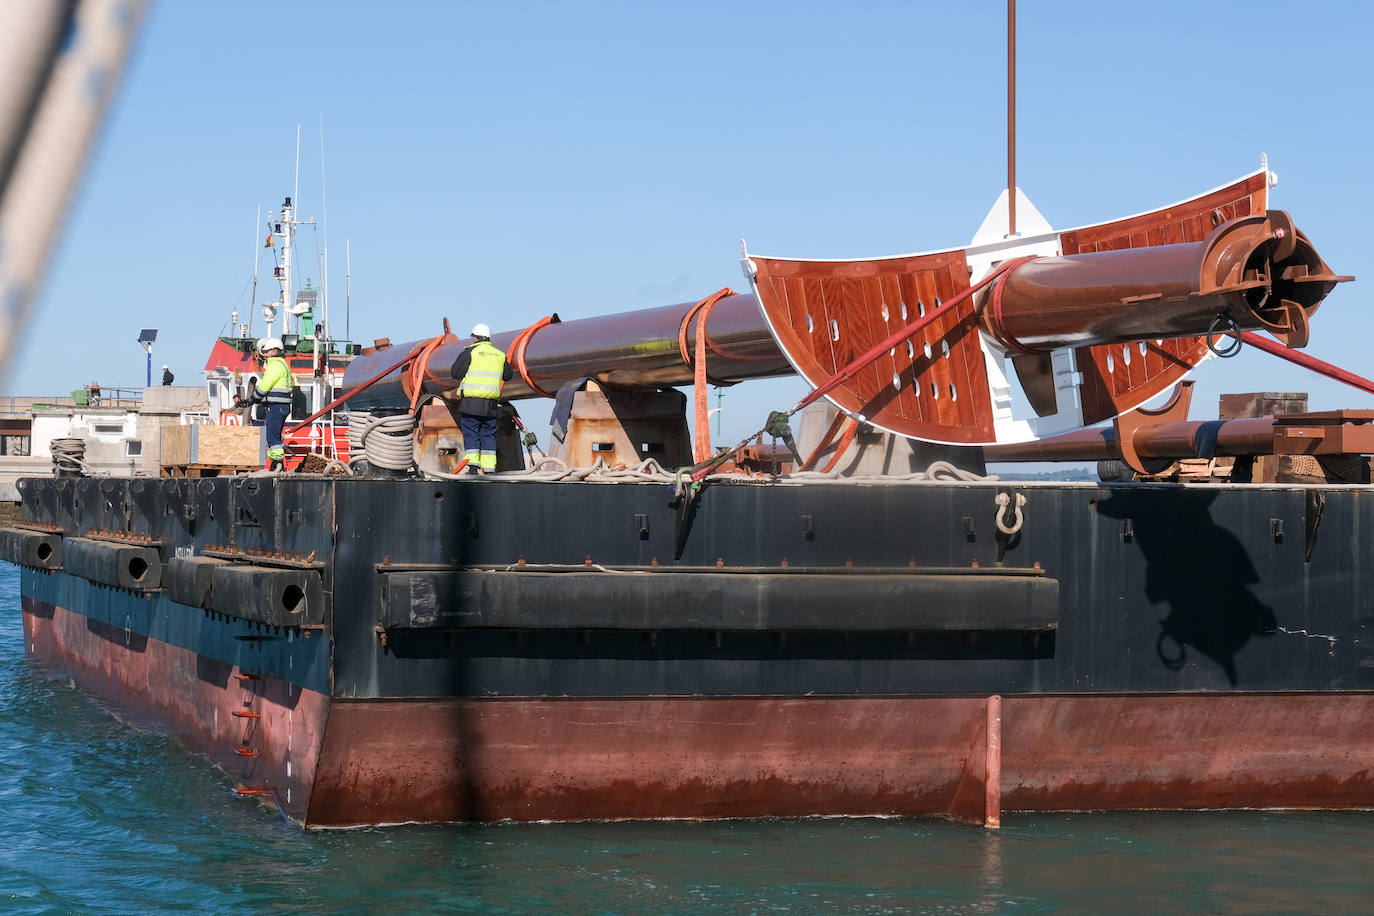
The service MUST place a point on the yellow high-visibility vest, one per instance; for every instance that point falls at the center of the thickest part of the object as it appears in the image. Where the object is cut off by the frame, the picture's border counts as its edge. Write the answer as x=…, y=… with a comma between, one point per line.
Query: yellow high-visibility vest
x=483, y=378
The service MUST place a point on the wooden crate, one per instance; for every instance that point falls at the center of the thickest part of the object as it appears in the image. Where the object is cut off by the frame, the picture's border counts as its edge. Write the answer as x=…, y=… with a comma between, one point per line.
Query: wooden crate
x=205, y=446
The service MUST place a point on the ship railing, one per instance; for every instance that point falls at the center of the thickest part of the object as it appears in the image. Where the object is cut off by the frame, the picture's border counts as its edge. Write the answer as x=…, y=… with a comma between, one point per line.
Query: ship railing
x=121, y=398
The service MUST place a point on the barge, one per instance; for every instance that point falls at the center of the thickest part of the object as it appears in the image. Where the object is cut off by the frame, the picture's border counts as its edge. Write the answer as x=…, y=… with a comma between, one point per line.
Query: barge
x=588, y=636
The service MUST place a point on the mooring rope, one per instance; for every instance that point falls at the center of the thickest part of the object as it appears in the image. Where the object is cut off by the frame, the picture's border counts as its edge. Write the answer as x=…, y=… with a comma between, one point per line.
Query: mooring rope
x=69, y=457
x=385, y=441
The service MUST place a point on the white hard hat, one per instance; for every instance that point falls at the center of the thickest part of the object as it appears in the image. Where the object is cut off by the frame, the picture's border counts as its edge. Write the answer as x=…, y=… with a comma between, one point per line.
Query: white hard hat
x=269, y=343
x=481, y=330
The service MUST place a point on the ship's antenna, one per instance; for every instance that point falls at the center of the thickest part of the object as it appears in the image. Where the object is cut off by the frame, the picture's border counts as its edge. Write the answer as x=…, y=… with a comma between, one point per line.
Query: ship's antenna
x=1011, y=118
x=348, y=291
x=257, y=259
x=296, y=190
x=296, y=208
x=324, y=255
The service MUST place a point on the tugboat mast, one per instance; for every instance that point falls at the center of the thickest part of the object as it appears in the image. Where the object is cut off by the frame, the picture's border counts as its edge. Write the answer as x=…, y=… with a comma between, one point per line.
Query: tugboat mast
x=285, y=229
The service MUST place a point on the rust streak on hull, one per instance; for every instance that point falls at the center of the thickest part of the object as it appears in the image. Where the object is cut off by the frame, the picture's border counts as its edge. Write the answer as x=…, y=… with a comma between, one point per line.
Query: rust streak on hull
x=1189, y=751
x=579, y=759
x=192, y=697
x=574, y=759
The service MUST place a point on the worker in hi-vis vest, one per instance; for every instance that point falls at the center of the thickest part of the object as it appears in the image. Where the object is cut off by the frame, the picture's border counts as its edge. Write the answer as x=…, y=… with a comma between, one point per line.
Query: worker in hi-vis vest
x=274, y=390
x=480, y=370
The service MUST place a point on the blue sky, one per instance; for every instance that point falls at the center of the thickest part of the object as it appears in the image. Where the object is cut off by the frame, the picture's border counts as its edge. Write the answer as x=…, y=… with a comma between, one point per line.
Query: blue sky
x=497, y=162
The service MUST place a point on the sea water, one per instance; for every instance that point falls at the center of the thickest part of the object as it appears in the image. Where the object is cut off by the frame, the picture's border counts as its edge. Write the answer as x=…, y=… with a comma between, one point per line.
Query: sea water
x=100, y=817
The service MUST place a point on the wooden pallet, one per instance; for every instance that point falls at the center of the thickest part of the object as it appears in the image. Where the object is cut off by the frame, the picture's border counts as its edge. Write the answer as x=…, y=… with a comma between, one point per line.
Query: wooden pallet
x=206, y=470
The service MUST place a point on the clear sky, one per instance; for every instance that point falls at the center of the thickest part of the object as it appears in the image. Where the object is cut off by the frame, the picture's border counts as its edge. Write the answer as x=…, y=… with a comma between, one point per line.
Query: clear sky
x=499, y=161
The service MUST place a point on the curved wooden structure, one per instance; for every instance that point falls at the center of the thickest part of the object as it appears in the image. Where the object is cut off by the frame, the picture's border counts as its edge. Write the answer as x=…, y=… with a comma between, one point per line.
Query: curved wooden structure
x=1114, y=380
x=1128, y=301
x=1095, y=321
x=824, y=314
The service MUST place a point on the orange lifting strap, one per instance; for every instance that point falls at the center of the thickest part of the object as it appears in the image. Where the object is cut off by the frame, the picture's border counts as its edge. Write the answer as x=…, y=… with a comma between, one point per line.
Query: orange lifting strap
x=850, y=430
x=415, y=375
x=701, y=446
x=517, y=353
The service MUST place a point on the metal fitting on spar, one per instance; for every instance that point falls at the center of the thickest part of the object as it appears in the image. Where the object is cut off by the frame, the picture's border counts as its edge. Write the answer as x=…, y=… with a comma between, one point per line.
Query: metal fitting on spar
x=1260, y=269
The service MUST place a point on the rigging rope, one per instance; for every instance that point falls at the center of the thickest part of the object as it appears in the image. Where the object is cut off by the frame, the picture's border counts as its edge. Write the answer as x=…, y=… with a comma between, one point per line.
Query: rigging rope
x=551, y=469
x=386, y=441
x=69, y=457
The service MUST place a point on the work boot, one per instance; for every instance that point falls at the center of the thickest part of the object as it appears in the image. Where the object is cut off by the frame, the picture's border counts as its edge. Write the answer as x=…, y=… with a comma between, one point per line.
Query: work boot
x=277, y=465
x=474, y=471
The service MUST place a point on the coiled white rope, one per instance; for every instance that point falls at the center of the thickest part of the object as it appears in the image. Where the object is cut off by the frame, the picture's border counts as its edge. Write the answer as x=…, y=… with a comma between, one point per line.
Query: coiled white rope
x=385, y=441
x=69, y=456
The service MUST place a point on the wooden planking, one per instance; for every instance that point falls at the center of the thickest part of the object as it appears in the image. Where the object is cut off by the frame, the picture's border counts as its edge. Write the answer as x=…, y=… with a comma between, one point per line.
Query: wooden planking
x=210, y=446
x=1112, y=386
x=827, y=314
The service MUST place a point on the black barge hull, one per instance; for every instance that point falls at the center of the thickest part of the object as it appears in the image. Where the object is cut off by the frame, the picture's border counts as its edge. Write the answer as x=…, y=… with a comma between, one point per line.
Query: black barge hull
x=367, y=651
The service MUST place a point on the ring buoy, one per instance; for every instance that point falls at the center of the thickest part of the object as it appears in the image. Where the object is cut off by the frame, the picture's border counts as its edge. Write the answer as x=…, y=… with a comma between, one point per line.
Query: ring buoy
x=228, y=418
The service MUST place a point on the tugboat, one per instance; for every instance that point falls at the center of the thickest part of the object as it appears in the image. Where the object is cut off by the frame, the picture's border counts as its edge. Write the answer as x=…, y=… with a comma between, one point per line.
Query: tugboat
x=317, y=360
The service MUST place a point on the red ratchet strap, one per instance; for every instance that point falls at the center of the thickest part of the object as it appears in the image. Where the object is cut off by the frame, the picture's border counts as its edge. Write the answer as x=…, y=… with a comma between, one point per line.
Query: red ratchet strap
x=517, y=353
x=995, y=315
x=1335, y=373
x=414, y=352
x=859, y=363
x=701, y=447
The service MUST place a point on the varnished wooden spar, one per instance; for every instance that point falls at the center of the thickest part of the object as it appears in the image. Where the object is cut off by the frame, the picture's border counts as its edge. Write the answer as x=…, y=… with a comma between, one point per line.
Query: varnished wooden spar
x=631, y=350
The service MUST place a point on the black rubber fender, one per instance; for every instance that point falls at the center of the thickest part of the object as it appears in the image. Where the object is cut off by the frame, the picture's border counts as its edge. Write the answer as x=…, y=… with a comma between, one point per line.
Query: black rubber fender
x=188, y=579
x=119, y=565
x=26, y=547
x=278, y=597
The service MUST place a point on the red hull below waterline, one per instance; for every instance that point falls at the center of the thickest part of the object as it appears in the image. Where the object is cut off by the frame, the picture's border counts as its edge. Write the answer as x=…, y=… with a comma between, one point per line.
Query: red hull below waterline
x=264, y=732
x=354, y=762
